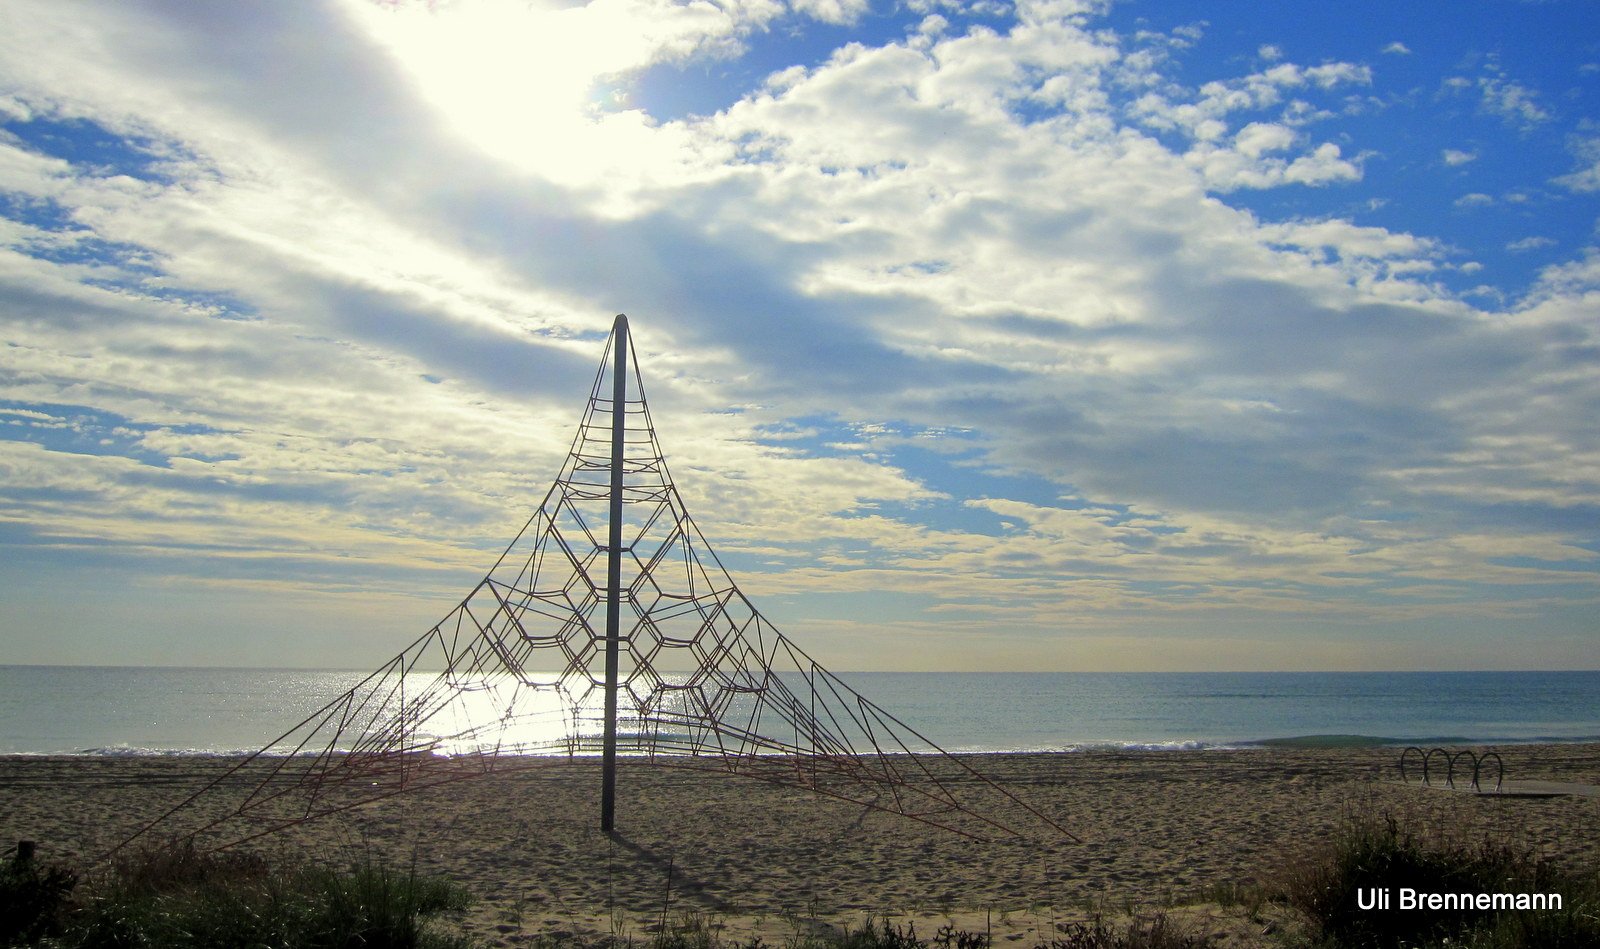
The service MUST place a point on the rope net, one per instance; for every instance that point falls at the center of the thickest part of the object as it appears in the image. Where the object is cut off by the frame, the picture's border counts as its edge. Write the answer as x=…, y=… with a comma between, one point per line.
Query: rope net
x=514, y=678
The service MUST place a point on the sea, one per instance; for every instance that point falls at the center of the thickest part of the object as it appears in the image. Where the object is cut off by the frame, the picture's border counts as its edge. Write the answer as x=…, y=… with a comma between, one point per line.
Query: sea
x=85, y=710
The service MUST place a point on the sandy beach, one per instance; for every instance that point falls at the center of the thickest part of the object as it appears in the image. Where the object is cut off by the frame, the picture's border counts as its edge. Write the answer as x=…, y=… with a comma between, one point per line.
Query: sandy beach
x=759, y=859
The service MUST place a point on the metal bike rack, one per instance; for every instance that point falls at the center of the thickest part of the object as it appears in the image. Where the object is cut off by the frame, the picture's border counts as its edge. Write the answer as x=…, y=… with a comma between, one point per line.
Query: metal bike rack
x=1451, y=766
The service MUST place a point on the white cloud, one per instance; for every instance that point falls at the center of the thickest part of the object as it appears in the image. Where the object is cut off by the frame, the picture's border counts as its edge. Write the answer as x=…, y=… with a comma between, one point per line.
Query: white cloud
x=1573, y=282
x=1259, y=137
x=1258, y=91
x=1397, y=48
x=1246, y=162
x=1530, y=243
x=1512, y=101
x=1455, y=157
x=1229, y=169
x=1586, y=179
x=832, y=11
x=1351, y=240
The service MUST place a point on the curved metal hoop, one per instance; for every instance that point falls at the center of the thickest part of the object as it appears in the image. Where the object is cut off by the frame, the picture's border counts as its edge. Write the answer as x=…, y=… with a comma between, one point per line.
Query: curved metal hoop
x=1427, y=761
x=1404, y=779
x=1450, y=773
x=1499, y=770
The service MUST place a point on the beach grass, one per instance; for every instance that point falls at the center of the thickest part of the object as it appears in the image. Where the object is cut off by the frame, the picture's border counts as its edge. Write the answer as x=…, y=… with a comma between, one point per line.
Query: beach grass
x=178, y=897
x=1383, y=855
x=33, y=900
x=1155, y=932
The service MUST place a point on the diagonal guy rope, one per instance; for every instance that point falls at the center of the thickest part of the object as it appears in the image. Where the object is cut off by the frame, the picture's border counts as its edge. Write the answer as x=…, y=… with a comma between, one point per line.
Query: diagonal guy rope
x=474, y=695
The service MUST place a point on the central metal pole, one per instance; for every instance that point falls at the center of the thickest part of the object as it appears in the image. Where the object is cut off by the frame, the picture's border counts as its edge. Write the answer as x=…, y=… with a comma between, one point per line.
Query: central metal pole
x=619, y=425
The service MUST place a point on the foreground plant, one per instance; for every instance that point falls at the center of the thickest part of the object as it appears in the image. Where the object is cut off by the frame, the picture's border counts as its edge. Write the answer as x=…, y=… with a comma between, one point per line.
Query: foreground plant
x=1153, y=932
x=1351, y=895
x=34, y=900
x=179, y=898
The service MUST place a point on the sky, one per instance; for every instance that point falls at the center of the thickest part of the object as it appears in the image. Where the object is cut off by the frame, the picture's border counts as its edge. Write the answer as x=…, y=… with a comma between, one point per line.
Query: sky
x=979, y=334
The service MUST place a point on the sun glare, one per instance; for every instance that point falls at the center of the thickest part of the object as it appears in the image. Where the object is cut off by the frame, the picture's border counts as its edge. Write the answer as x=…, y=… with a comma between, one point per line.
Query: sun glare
x=515, y=78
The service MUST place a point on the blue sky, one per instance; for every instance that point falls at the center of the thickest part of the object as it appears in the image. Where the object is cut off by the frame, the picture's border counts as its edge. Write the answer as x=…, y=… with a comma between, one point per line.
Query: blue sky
x=979, y=335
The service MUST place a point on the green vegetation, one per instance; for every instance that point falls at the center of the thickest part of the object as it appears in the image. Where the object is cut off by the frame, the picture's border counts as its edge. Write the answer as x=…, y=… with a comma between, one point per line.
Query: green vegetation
x=33, y=900
x=1158, y=932
x=177, y=898
x=1381, y=856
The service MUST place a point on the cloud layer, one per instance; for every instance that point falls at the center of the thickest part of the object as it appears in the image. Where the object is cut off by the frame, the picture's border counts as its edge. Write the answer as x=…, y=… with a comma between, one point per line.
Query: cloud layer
x=971, y=332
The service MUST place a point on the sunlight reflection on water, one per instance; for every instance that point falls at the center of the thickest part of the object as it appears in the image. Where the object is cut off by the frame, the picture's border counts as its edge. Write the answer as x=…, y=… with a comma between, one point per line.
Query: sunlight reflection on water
x=540, y=714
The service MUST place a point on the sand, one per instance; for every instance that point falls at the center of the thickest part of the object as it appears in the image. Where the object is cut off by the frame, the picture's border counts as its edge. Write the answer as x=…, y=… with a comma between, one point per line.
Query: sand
x=755, y=859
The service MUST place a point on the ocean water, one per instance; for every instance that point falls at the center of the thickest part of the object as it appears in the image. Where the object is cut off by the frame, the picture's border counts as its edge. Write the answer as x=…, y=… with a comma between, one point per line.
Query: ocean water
x=100, y=710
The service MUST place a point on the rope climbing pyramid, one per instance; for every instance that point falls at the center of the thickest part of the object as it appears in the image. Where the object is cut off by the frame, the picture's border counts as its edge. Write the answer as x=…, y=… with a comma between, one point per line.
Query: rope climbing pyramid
x=608, y=628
